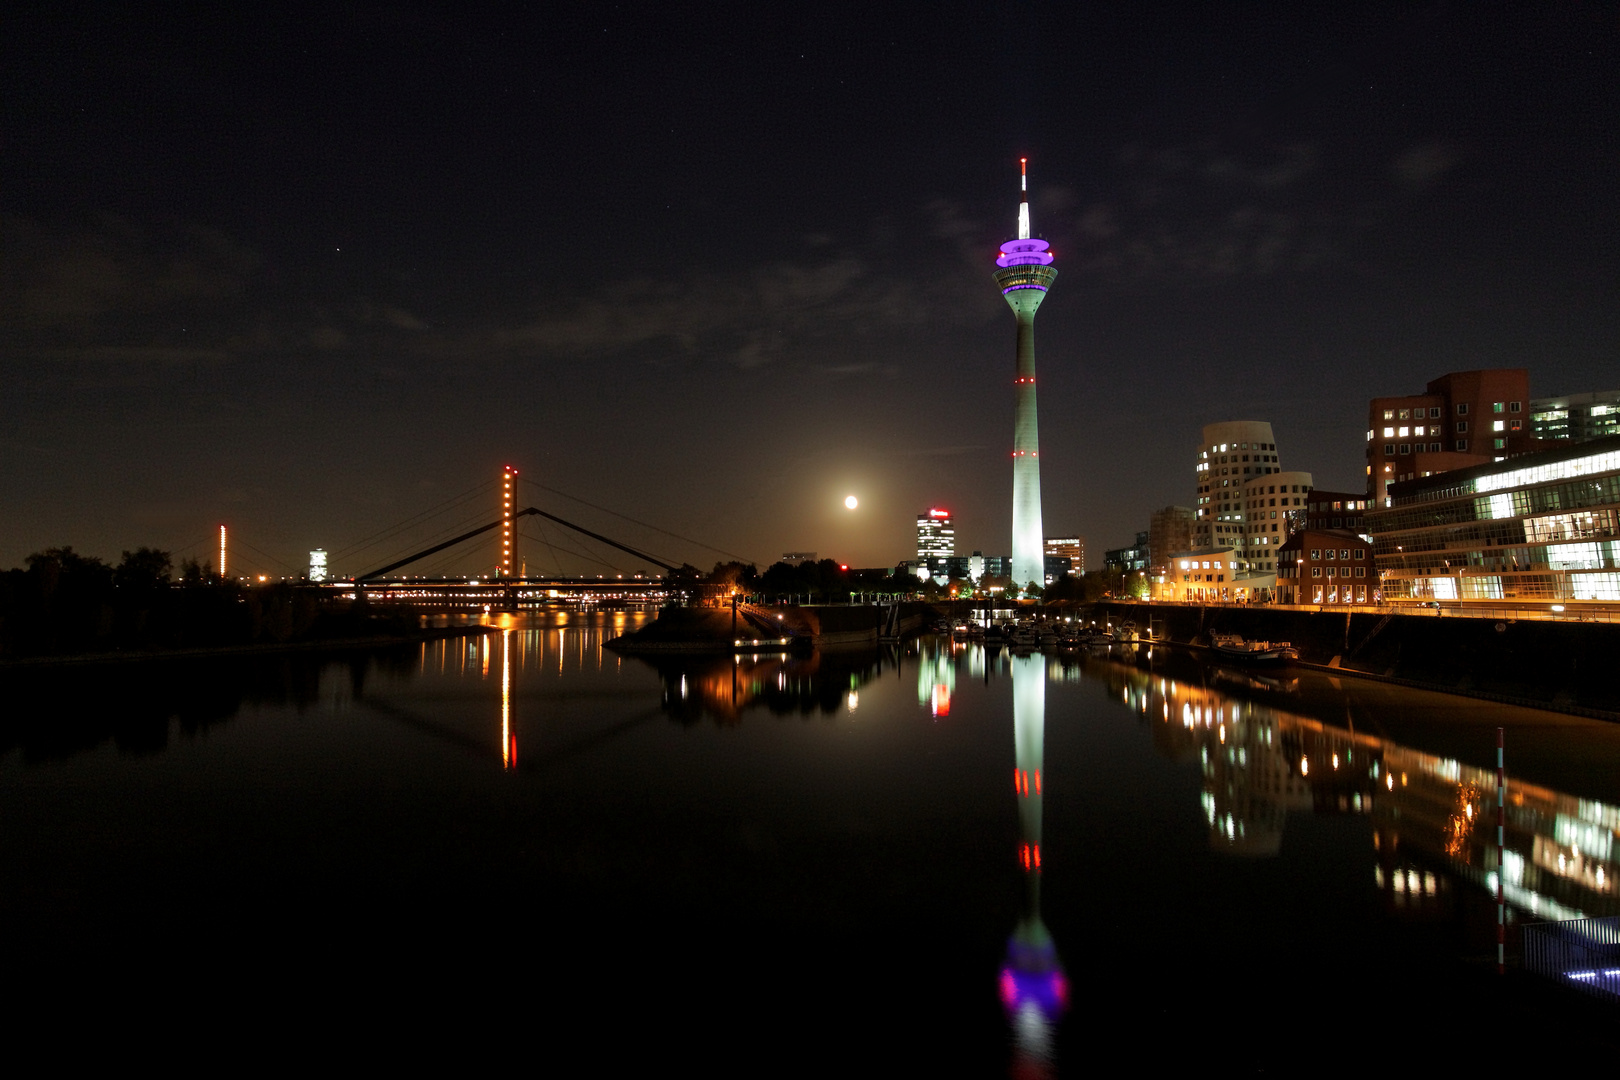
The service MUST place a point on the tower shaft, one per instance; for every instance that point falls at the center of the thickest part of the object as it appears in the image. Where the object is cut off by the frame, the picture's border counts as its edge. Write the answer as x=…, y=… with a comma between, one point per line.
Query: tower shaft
x=1028, y=549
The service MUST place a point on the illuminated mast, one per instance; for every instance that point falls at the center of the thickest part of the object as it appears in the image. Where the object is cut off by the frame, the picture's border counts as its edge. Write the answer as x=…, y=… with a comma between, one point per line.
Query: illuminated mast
x=1025, y=273
x=508, y=534
x=222, y=553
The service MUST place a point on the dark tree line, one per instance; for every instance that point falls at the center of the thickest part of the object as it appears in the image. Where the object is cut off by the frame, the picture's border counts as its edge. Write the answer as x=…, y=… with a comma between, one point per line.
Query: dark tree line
x=66, y=603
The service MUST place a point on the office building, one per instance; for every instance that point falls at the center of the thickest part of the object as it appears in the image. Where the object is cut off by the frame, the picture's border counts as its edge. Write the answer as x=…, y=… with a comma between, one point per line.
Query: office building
x=1024, y=274
x=1576, y=417
x=1169, y=530
x=1072, y=548
x=1541, y=527
x=1128, y=559
x=1326, y=566
x=1244, y=495
x=1233, y=453
x=936, y=534
x=1462, y=419
x=1337, y=510
x=1203, y=575
x=1272, y=508
x=317, y=565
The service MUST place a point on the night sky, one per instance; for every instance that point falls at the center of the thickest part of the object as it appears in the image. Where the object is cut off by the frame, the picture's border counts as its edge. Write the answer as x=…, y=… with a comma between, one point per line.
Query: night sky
x=311, y=271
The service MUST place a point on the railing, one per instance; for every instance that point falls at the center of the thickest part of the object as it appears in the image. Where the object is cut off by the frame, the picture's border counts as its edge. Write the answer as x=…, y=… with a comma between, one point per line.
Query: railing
x=1575, y=611
x=1580, y=953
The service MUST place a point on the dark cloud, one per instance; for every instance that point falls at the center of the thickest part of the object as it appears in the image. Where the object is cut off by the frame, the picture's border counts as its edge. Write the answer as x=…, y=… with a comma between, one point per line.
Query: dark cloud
x=1426, y=164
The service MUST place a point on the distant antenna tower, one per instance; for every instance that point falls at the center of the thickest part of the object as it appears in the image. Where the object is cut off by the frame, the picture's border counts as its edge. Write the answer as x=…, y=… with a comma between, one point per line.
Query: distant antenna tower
x=222, y=551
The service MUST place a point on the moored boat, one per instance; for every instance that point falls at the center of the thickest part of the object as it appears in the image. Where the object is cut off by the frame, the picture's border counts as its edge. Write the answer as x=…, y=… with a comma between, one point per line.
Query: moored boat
x=1236, y=647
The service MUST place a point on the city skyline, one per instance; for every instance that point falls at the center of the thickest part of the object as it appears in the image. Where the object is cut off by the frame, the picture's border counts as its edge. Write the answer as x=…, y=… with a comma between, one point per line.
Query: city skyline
x=308, y=273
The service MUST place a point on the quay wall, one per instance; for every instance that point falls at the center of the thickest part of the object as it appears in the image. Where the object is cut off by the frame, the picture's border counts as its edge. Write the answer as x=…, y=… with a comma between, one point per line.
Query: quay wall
x=1560, y=664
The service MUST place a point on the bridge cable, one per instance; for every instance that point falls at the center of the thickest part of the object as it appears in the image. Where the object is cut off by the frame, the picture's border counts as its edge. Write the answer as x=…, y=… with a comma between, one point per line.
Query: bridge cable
x=238, y=542
x=415, y=519
x=445, y=531
x=643, y=524
x=583, y=554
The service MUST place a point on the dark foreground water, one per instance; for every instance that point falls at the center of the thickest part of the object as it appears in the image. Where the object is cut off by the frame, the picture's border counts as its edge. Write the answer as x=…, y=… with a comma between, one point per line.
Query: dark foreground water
x=929, y=858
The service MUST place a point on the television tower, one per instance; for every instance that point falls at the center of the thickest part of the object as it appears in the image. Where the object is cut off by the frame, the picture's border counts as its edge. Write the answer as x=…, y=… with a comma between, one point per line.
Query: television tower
x=1024, y=273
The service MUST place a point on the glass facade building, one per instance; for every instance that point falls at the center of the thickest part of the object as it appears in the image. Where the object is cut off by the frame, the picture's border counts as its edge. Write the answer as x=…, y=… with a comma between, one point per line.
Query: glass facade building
x=1577, y=417
x=1536, y=527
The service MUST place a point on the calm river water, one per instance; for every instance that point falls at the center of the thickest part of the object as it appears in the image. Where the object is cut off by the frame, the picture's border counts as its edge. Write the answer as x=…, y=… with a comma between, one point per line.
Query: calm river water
x=933, y=856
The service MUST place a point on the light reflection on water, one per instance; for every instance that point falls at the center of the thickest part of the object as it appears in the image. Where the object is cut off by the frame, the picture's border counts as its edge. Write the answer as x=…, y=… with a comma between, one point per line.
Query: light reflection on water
x=814, y=783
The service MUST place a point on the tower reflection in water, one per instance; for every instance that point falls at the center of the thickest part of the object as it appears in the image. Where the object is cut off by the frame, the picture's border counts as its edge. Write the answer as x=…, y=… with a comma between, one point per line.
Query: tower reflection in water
x=1034, y=989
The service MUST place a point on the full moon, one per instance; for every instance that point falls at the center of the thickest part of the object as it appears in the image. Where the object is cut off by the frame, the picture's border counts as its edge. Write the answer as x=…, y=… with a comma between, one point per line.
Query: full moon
x=852, y=502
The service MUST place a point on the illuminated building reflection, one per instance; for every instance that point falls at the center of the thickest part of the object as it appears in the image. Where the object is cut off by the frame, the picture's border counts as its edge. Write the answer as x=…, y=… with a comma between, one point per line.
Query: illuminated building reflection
x=936, y=678
x=1034, y=989
x=1260, y=763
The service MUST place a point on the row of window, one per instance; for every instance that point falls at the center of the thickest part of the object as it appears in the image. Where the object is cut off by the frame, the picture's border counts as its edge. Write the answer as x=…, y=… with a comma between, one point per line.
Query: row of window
x=1222, y=448
x=1434, y=410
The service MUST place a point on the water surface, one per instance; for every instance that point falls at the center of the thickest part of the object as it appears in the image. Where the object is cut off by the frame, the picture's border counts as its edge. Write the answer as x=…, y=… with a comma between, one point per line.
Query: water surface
x=926, y=857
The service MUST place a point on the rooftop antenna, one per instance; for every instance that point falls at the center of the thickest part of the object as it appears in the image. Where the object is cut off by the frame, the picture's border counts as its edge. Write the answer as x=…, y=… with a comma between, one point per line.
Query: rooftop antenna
x=1023, y=206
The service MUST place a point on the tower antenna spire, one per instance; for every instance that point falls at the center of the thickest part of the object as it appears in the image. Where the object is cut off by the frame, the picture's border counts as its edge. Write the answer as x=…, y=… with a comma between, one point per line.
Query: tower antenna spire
x=1023, y=205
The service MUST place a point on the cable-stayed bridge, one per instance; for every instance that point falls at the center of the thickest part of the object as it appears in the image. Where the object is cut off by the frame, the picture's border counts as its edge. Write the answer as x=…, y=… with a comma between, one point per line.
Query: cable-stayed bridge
x=522, y=568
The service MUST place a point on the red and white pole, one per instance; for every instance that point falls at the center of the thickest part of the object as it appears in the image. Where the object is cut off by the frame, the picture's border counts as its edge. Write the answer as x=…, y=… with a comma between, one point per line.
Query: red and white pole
x=1501, y=866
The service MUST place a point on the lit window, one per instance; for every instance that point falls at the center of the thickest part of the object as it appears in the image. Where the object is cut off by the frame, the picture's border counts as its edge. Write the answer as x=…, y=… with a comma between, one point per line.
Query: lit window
x=1496, y=406
x=1406, y=414
x=1389, y=414
x=1497, y=425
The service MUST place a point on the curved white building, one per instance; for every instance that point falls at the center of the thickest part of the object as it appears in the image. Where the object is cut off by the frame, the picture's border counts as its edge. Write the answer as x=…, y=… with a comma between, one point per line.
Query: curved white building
x=1243, y=494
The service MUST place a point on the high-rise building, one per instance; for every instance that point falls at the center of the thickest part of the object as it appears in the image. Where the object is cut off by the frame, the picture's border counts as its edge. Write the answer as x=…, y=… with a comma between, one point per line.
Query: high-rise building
x=1025, y=272
x=936, y=535
x=1576, y=417
x=1233, y=453
x=1274, y=508
x=1244, y=495
x=317, y=565
x=1072, y=548
x=1462, y=419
